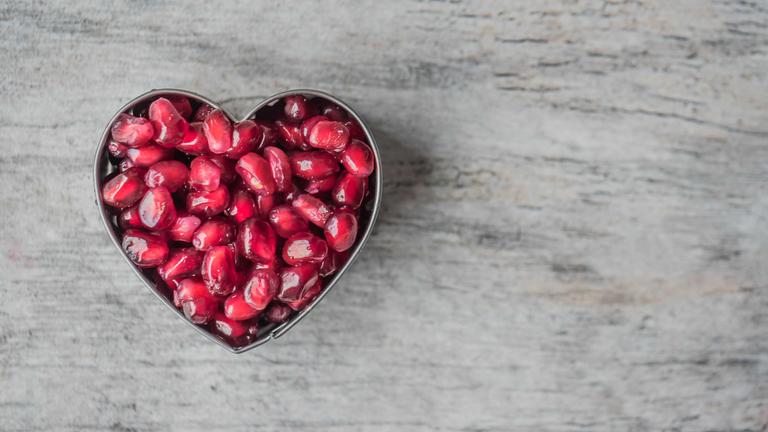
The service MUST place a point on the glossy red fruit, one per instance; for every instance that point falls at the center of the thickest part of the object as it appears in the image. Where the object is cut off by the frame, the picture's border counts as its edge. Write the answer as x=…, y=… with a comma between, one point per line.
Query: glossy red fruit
x=198, y=304
x=132, y=131
x=286, y=221
x=125, y=164
x=156, y=209
x=341, y=230
x=329, y=135
x=358, y=158
x=313, y=164
x=308, y=124
x=228, y=174
x=218, y=269
x=170, y=174
x=117, y=149
x=256, y=173
x=306, y=297
x=214, y=232
x=290, y=134
x=144, y=249
x=273, y=265
x=245, y=137
x=218, y=132
x=124, y=189
x=208, y=203
x=148, y=155
x=129, y=218
x=295, y=281
x=184, y=227
x=277, y=313
x=319, y=186
x=181, y=264
x=256, y=240
x=202, y=112
x=194, y=141
x=242, y=206
x=204, y=175
x=312, y=209
x=355, y=130
x=296, y=107
x=182, y=105
x=304, y=247
x=334, y=112
x=169, y=125
x=237, y=333
x=236, y=308
x=264, y=204
x=333, y=262
x=260, y=288
x=289, y=196
x=280, y=167
x=269, y=134
x=349, y=191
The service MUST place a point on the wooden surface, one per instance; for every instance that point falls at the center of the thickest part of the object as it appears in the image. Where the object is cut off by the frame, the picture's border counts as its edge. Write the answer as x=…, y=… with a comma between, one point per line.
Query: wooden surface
x=574, y=234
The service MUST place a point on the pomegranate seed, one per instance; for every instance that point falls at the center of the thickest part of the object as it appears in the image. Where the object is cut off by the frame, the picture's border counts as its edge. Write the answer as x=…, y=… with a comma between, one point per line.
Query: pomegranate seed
x=355, y=130
x=312, y=209
x=240, y=262
x=304, y=247
x=313, y=165
x=273, y=265
x=308, y=124
x=256, y=240
x=306, y=297
x=181, y=264
x=117, y=149
x=291, y=134
x=148, y=155
x=132, y=131
x=208, y=203
x=124, y=190
x=329, y=135
x=277, y=313
x=182, y=105
x=269, y=134
x=295, y=191
x=156, y=209
x=194, y=141
x=245, y=138
x=286, y=222
x=341, y=230
x=295, y=107
x=349, y=191
x=204, y=175
x=198, y=304
x=218, y=131
x=319, y=186
x=184, y=228
x=260, y=288
x=280, y=168
x=219, y=273
x=228, y=174
x=202, y=112
x=256, y=173
x=358, y=158
x=144, y=249
x=295, y=281
x=213, y=232
x=332, y=262
x=169, y=125
x=236, y=308
x=334, y=112
x=242, y=206
x=169, y=174
x=264, y=204
x=125, y=165
x=234, y=332
x=129, y=218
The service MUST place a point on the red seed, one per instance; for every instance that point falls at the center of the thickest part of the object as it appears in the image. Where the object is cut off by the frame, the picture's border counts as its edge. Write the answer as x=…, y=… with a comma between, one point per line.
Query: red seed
x=242, y=205
x=194, y=141
x=295, y=191
x=169, y=174
x=313, y=164
x=329, y=135
x=148, y=155
x=333, y=262
x=264, y=204
x=196, y=301
x=202, y=112
x=256, y=240
x=204, y=175
x=312, y=209
x=169, y=125
x=280, y=167
x=117, y=149
x=156, y=209
x=260, y=288
x=236, y=308
x=245, y=138
x=295, y=281
x=213, y=232
x=208, y=203
x=228, y=174
x=341, y=230
x=304, y=247
x=129, y=218
x=309, y=123
x=235, y=332
x=184, y=228
x=355, y=130
x=319, y=186
x=124, y=190
x=181, y=264
x=277, y=313
x=286, y=221
x=132, y=131
x=125, y=164
x=290, y=134
x=144, y=249
x=306, y=297
x=218, y=131
x=358, y=158
x=219, y=273
x=256, y=173
x=349, y=191
x=273, y=265
x=269, y=134
x=334, y=112
x=182, y=105
x=296, y=107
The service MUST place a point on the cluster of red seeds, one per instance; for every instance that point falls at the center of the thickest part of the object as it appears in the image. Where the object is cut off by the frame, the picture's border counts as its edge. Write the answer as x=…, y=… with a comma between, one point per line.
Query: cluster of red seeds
x=243, y=222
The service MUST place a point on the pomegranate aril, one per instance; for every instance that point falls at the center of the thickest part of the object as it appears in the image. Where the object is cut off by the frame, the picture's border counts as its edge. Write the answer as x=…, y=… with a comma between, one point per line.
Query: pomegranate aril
x=169, y=174
x=228, y=174
x=295, y=191
x=208, y=203
x=312, y=209
x=307, y=297
x=236, y=308
x=341, y=230
x=196, y=301
x=277, y=313
x=357, y=158
x=304, y=247
x=313, y=164
x=256, y=173
x=125, y=189
x=308, y=124
x=332, y=262
x=296, y=107
x=273, y=265
x=194, y=141
x=117, y=149
x=242, y=206
x=202, y=112
x=129, y=218
x=245, y=137
x=132, y=131
x=264, y=204
x=349, y=191
x=235, y=332
x=256, y=240
x=182, y=105
x=280, y=167
x=181, y=264
x=156, y=209
x=319, y=186
x=125, y=164
x=355, y=130
x=286, y=221
x=148, y=155
x=334, y=112
x=291, y=134
x=260, y=288
x=219, y=273
x=295, y=281
x=214, y=232
x=204, y=174
x=269, y=134
x=184, y=227
x=144, y=249
x=169, y=125
x=218, y=132
x=329, y=135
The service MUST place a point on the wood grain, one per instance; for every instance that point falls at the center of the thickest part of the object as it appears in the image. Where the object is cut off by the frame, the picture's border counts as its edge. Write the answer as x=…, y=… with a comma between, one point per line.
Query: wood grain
x=574, y=234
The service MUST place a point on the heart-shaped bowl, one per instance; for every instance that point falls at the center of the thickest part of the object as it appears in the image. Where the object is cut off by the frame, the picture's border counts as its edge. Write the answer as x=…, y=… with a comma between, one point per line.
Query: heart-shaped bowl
x=104, y=167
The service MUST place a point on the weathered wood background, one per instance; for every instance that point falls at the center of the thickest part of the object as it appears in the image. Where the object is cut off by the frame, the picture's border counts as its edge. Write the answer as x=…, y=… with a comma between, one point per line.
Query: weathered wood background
x=574, y=234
